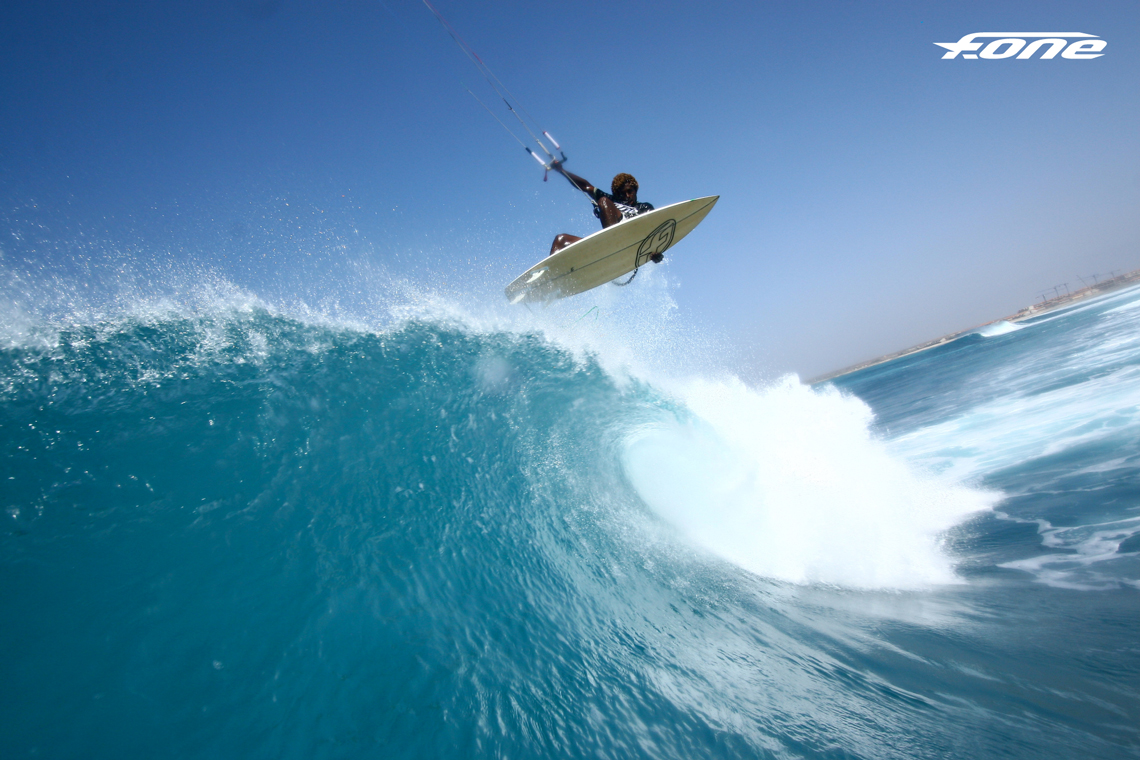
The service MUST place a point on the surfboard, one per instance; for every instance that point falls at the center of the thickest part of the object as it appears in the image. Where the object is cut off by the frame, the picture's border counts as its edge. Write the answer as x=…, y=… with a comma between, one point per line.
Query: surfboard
x=609, y=253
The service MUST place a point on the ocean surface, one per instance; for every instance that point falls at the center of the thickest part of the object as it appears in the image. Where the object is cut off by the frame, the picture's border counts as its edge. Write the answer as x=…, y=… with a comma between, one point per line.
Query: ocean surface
x=234, y=528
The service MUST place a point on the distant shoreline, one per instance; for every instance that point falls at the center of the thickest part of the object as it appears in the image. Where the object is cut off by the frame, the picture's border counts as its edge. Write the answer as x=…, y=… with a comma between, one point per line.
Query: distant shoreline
x=1116, y=283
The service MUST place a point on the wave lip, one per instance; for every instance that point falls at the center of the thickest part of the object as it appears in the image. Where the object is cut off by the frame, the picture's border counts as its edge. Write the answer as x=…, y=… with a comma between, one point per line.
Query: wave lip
x=790, y=483
x=1001, y=327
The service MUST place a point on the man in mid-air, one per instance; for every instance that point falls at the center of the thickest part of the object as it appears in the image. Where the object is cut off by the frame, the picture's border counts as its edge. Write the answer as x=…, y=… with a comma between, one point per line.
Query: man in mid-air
x=609, y=208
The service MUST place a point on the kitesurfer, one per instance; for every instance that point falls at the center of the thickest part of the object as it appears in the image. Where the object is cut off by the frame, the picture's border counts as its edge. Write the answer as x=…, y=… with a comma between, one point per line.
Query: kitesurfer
x=610, y=208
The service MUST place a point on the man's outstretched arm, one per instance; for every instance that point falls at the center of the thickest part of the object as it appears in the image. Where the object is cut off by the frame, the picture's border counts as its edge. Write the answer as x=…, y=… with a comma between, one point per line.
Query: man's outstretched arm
x=575, y=180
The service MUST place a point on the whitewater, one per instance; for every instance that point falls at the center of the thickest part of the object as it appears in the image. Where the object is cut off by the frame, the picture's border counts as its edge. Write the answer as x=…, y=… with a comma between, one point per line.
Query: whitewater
x=238, y=525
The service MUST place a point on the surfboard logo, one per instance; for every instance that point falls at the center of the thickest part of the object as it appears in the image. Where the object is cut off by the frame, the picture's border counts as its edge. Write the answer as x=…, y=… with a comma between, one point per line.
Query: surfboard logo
x=1009, y=44
x=656, y=241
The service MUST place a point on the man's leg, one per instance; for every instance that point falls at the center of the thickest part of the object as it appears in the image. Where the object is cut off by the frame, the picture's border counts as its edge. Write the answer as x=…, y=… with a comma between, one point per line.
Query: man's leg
x=609, y=213
x=561, y=241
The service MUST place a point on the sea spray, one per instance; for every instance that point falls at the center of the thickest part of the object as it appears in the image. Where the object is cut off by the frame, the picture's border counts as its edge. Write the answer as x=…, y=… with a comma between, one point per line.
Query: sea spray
x=790, y=483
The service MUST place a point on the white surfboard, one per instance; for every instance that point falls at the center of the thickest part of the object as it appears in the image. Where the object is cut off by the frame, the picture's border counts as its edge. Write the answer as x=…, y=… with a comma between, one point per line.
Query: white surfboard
x=609, y=253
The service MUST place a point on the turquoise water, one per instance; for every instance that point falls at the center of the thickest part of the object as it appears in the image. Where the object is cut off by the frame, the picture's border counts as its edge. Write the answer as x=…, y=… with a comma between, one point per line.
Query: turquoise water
x=237, y=531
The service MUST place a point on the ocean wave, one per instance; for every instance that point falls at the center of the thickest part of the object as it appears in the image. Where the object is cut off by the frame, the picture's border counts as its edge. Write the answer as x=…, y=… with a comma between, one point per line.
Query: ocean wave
x=170, y=350
x=1088, y=557
x=1001, y=327
x=405, y=526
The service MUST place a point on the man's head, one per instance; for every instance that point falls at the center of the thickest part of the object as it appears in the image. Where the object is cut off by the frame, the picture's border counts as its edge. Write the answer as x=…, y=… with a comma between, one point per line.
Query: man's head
x=624, y=186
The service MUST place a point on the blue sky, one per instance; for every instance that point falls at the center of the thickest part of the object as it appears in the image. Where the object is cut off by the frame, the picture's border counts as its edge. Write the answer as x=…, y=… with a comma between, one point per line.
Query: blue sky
x=873, y=195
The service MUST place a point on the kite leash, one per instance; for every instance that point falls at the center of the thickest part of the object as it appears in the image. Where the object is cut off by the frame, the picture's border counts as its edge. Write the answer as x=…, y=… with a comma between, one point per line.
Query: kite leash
x=506, y=96
x=623, y=284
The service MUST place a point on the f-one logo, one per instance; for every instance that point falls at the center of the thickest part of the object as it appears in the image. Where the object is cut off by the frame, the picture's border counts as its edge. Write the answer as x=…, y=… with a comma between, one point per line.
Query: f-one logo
x=1072, y=45
x=656, y=242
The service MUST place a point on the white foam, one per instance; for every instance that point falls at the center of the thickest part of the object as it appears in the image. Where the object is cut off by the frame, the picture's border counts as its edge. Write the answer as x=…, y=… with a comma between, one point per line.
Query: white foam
x=1081, y=549
x=1001, y=327
x=1015, y=429
x=789, y=482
